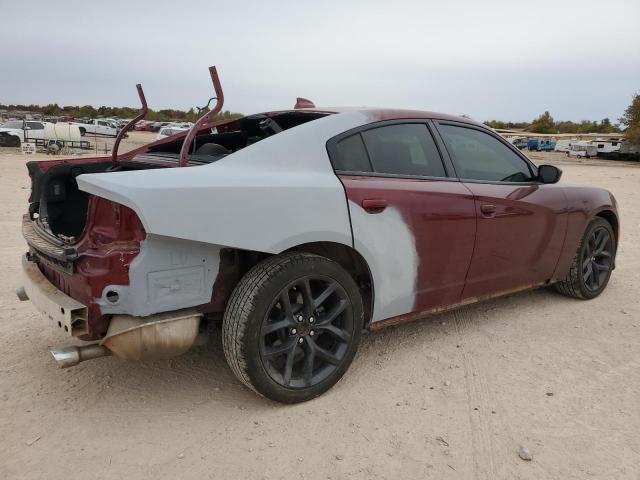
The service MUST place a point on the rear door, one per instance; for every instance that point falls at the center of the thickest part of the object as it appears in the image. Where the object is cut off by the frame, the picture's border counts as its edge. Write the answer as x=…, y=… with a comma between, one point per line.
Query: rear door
x=521, y=222
x=412, y=220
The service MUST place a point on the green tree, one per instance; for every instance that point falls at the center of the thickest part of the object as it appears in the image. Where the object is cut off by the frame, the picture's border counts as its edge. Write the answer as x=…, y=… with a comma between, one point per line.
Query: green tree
x=631, y=119
x=543, y=124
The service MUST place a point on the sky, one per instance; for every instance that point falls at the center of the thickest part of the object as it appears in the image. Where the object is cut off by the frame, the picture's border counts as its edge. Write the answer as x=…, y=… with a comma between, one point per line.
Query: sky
x=491, y=59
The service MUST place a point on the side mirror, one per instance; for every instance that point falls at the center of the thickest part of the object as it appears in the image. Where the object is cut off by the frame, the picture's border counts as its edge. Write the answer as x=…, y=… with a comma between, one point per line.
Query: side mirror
x=549, y=174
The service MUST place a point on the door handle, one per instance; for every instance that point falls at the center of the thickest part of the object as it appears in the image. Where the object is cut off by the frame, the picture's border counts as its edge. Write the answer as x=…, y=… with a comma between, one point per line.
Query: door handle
x=488, y=210
x=374, y=205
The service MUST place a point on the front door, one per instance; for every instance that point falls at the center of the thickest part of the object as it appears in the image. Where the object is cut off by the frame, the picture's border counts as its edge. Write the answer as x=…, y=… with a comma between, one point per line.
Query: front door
x=413, y=223
x=521, y=222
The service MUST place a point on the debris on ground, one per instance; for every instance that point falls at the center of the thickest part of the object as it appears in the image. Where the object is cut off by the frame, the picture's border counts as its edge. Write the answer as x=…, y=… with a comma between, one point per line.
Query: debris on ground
x=33, y=440
x=442, y=441
x=525, y=454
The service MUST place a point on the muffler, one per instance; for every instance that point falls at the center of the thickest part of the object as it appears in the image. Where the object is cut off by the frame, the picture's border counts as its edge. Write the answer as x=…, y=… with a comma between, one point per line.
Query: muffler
x=163, y=335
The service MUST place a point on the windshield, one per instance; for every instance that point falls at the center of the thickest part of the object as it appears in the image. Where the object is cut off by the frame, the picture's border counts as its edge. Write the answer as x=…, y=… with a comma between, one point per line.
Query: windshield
x=12, y=124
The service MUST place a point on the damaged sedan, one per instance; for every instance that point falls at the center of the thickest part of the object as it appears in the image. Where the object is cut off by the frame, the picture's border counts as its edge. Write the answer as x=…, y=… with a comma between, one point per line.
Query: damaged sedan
x=299, y=230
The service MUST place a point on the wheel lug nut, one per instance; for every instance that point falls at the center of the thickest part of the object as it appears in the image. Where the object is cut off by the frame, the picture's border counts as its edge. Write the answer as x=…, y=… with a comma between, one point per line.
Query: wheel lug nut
x=300, y=318
x=312, y=333
x=294, y=331
x=300, y=340
x=311, y=320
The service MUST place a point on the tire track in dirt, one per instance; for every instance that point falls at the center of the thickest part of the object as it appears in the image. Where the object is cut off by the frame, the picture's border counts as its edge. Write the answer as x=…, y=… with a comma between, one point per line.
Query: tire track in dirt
x=487, y=433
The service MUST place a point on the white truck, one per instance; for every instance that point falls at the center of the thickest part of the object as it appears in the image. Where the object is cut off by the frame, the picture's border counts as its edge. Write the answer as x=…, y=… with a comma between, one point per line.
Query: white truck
x=103, y=127
x=16, y=132
x=564, y=145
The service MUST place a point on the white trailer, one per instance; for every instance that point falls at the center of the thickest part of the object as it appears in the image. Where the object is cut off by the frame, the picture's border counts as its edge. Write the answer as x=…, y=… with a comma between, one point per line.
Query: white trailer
x=582, y=149
x=17, y=132
x=607, y=148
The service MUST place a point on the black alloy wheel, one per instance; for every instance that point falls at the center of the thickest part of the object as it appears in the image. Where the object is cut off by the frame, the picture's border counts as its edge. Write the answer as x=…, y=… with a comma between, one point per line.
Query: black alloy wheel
x=292, y=326
x=597, y=259
x=306, y=333
x=593, y=262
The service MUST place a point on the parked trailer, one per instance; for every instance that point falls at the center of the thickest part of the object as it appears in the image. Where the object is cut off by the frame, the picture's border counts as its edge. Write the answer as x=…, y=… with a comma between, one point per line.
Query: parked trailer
x=607, y=148
x=43, y=134
x=582, y=149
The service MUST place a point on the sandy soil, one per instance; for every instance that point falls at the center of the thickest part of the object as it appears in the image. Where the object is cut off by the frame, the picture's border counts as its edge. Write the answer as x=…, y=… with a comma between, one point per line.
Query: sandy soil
x=449, y=397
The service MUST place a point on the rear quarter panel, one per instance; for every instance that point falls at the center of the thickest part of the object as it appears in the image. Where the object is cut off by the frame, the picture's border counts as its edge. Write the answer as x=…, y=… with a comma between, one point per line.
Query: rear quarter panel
x=268, y=197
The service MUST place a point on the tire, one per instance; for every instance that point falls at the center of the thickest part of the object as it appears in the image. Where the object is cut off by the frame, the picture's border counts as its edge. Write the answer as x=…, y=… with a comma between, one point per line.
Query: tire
x=592, y=264
x=296, y=353
x=83, y=131
x=13, y=141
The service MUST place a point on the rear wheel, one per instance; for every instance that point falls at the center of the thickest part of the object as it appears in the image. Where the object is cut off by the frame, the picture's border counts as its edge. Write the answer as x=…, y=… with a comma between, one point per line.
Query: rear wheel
x=13, y=141
x=292, y=326
x=592, y=264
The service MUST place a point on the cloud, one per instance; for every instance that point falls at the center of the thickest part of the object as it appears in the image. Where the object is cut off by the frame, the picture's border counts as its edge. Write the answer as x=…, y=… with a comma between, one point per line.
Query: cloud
x=495, y=59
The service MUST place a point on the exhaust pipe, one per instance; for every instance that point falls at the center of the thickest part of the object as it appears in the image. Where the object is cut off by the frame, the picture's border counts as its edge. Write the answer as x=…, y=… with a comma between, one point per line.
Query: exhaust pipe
x=70, y=356
x=162, y=335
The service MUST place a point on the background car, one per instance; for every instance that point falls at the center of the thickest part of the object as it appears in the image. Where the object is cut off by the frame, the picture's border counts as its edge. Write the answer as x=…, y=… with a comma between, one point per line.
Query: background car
x=169, y=131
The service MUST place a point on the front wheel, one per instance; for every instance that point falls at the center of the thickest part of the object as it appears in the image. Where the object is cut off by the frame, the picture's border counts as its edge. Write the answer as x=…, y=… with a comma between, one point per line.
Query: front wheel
x=292, y=326
x=592, y=264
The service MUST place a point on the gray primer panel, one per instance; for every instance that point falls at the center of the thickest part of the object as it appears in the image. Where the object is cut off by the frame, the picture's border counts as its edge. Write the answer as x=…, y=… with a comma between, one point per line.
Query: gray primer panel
x=168, y=274
x=267, y=197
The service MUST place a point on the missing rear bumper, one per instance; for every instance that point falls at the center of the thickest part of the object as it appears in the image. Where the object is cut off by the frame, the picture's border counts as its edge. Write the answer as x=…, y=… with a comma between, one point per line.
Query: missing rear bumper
x=63, y=311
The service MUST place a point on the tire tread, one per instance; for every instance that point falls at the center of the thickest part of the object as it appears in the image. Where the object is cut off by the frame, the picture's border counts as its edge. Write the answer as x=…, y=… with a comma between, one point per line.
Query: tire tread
x=570, y=286
x=242, y=304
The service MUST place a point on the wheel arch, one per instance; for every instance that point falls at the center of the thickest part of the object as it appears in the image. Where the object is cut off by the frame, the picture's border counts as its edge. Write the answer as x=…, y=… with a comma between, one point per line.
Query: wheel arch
x=235, y=263
x=611, y=217
x=353, y=262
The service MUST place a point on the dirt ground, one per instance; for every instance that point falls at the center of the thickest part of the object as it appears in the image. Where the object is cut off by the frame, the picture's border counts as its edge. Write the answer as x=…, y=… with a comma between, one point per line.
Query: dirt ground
x=451, y=397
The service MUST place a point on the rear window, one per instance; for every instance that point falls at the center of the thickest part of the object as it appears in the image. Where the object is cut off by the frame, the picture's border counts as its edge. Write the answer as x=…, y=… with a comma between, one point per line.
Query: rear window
x=351, y=155
x=406, y=149
x=399, y=149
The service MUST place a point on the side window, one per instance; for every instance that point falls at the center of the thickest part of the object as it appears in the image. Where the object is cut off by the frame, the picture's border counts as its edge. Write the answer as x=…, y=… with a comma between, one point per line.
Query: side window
x=35, y=125
x=479, y=156
x=103, y=124
x=351, y=155
x=404, y=149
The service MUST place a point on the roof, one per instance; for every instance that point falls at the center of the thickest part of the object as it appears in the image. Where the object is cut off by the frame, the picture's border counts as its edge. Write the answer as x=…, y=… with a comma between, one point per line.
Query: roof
x=380, y=114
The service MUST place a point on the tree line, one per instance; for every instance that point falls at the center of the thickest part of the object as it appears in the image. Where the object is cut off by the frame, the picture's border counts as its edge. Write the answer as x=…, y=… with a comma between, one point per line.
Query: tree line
x=629, y=124
x=546, y=124
x=88, y=111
